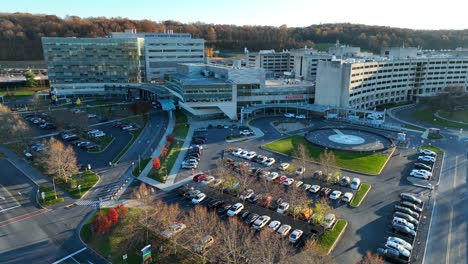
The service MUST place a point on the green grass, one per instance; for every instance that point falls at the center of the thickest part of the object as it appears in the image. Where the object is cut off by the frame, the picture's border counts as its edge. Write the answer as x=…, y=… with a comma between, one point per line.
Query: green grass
x=434, y=136
x=166, y=165
x=135, y=134
x=49, y=196
x=364, y=163
x=23, y=91
x=136, y=171
x=181, y=126
x=435, y=149
x=427, y=116
x=88, y=180
x=360, y=194
x=103, y=143
x=409, y=126
x=329, y=238
x=461, y=116
x=323, y=46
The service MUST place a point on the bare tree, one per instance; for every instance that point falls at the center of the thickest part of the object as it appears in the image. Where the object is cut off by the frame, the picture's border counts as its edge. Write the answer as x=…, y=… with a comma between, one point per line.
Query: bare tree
x=311, y=253
x=298, y=201
x=302, y=154
x=60, y=160
x=328, y=164
x=237, y=241
x=370, y=258
x=13, y=128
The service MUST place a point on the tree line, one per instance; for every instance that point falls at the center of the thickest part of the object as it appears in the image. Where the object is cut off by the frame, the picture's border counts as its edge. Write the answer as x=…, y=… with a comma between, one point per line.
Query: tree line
x=20, y=34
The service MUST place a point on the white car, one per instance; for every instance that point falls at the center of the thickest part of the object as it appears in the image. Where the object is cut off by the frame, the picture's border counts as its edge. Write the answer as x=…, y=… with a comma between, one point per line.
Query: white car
x=283, y=207
x=173, y=229
x=208, y=180
x=261, y=222
x=300, y=171
x=274, y=225
x=347, y=197
x=127, y=127
x=284, y=166
x=237, y=152
x=250, y=155
x=288, y=181
x=401, y=242
x=329, y=221
x=245, y=132
x=402, y=250
x=427, y=152
x=269, y=162
x=289, y=115
x=299, y=184
x=273, y=176
x=284, y=230
x=295, y=235
x=243, y=153
x=314, y=188
x=427, y=158
x=300, y=117
x=419, y=175
x=355, y=183
x=246, y=194
x=423, y=172
x=199, y=198
x=235, y=209
x=335, y=195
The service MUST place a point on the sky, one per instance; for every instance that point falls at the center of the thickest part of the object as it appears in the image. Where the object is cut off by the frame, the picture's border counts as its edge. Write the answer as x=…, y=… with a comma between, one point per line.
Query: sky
x=414, y=14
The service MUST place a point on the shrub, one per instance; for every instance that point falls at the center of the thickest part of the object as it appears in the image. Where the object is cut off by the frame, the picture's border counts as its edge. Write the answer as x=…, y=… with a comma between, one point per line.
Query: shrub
x=156, y=163
x=113, y=216
x=101, y=223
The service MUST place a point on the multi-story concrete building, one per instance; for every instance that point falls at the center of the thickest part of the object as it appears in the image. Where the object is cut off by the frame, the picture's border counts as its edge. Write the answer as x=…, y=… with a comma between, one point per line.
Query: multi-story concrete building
x=274, y=63
x=403, y=76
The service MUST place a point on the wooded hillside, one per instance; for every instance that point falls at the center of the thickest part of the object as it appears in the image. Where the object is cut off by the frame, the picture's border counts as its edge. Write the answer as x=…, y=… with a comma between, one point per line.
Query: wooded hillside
x=20, y=34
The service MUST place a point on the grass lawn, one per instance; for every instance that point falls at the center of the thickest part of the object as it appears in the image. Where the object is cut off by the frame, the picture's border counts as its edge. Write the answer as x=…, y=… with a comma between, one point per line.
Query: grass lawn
x=413, y=127
x=364, y=163
x=360, y=194
x=323, y=46
x=22, y=91
x=141, y=166
x=181, y=127
x=109, y=244
x=166, y=165
x=49, y=196
x=435, y=149
x=329, y=238
x=103, y=143
x=434, y=136
x=461, y=116
x=88, y=180
x=135, y=134
x=427, y=116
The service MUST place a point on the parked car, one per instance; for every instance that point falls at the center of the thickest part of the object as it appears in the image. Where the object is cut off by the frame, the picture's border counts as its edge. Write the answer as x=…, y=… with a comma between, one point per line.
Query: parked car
x=274, y=225
x=208, y=180
x=269, y=162
x=425, y=172
x=306, y=187
x=404, y=229
x=288, y=181
x=335, y=195
x=246, y=194
x=245, y=132
x=251, y=218
x=200, y=177
x=273, y=176
x=314, y=188
x=282, y=178
x=289, y=115
x=295, y=235
x=300, y=116
x=345, y=181
x=401, y=221
x=215, y=204
x=410, y=198
x=223, y=209
x=427, y=158
x=254, y=198
x=199, y=198
x=284, y=166
x=355, y=183
x=411, y=206
x=283, y=230
x=275, y=203
x=191, y=194
x=427, y=152
x=173, y=230
x=216, y=183
x=237, y=152
x=406, y=211
x=261, y=222
x=235, y=209
x=419, y=175
x=189, y=165
x=329, y=221
x=408, y=217
x=299, y=184
x=325, y=192
x=265, y=200
x=282, y=208
x=402, y=250
x=420, y=165
x=184, y=189
x=347, y=197
x=265, y=160
x=300, y=171
x=402, y=242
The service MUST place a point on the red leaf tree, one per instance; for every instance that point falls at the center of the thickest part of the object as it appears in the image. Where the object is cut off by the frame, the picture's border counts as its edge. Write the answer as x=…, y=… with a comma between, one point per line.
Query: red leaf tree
x=156, y=163
x=122, y=210
x=164, y=152
x=101, y=224
x=113, y=216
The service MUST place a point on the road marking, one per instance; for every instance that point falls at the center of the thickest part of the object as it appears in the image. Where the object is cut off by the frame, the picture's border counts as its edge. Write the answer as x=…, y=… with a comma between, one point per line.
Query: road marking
x=9, y=208
x=75, y=260
x=12, y=197
x=69, y=256
x=22, y=217
x=447, y=254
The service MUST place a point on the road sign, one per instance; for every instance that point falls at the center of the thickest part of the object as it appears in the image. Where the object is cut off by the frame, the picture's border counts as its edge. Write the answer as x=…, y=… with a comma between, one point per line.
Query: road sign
x=146, y=253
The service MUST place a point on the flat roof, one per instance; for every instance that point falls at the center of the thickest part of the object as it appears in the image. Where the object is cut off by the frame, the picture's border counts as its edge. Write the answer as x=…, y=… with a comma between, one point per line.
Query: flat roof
x=189, y=79
x=284, y=82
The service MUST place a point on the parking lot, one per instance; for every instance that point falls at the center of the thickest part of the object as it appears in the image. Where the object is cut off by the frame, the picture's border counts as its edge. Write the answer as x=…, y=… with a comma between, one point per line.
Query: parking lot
x=368, y=223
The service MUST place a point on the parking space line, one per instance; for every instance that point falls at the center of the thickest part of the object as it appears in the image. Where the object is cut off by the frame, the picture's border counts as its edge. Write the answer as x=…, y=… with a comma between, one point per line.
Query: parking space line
x=70, y=256
x=75, y=260
x=9, y=208
x=6, y=190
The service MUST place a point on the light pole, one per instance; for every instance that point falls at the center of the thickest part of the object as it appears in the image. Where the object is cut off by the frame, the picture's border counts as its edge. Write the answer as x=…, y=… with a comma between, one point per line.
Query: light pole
x=55, y=192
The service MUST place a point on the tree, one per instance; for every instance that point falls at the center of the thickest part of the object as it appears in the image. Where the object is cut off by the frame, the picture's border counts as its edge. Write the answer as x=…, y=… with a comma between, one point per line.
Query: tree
x=328, y=164
x=60, y=160
x=164, y=152
x=156, y=163
x=113, y=216
x=13, y=128
x=101, y=223
x=370, y=258
x=78, y=101
x=140, y=107
x=303, y=154
x=30, y=81
x=321, y=209
x=122, y=210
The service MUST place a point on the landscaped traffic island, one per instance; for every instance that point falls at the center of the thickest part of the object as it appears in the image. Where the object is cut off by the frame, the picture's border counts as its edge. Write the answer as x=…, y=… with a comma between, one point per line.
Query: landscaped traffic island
x=369, y=163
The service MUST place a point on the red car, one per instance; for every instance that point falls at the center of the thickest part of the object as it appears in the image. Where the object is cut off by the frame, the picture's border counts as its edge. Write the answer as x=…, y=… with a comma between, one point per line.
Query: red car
x=199, y=177
x=282, y=178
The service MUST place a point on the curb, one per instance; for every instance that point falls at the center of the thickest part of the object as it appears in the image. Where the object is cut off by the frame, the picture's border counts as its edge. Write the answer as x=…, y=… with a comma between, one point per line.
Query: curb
x=429, y=231
x=86, y=193
x=364, y=197
x=239, y=139
x=80, y=226
x=388, y=159
x=338, y=238
x=90, y=152
x=36, y=185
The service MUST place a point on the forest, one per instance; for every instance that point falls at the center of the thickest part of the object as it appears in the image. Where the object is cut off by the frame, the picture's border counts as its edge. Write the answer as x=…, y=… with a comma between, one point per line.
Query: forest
x=21, y=33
